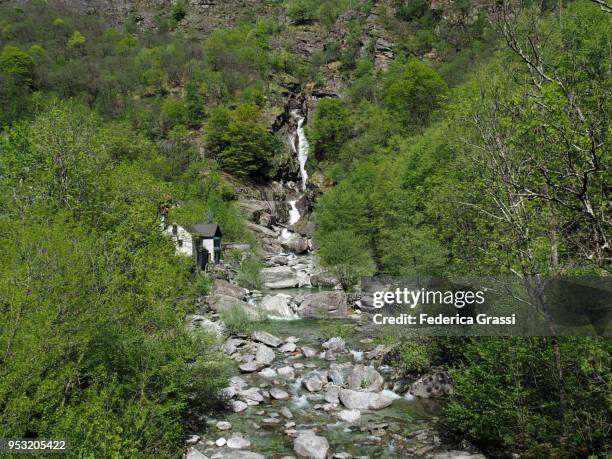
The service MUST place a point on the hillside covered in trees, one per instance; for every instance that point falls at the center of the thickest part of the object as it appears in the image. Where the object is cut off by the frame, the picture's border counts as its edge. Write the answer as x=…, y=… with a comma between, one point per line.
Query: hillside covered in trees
x=444, y=138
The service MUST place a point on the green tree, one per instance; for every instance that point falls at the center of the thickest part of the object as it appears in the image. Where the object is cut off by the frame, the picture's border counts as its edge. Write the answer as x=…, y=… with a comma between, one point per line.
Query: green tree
x=17, y=64
x=413, y=91
x=240, y=141
x=329, y=129
x=346, y=255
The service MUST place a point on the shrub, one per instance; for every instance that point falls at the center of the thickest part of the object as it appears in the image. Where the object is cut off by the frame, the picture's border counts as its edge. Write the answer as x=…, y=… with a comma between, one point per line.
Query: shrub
x=17, y=64
x=250, y=274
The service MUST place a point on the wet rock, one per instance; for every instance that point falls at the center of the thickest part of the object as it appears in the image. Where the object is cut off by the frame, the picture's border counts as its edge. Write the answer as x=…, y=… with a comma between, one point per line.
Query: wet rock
x=286, y=372
x=268, y=373
x=223, y=287
x=264, y=355
x=332, y=393
x=250, y=367
x=286, y=412
x=242, y=455
x=308, y=352
x=238, y=442
x=349, y=416
x=232, y=345
x=295, y=243
x=309, y=445
x=324, y=305
x=220, y=441
x=239, y=406
x=195, y=454
x=280, y=277
x=252, y=394
x=288, y=347
x=365, y=378
x=279, y=260
x=270, y=421
x=221, y=303
x=376, y=353
x=278, y=305
x=357, y=400
x=335, y=344
x=266, y=338
x=434, y=384
x=339, y=373
x=278, y=394
x=223, y=425
x=314, y=380
x=456, y=455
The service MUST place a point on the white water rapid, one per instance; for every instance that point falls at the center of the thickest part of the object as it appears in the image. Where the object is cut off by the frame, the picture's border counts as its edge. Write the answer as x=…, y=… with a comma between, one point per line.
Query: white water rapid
x=302, y=149
x=294, y=213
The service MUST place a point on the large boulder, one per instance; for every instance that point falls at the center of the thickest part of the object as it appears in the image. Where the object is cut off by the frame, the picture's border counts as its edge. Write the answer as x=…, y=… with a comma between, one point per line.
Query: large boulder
x=223, y=287
x=323, y=280
x=324, y=305
x=196, y=322
x=314, y=380
x=221, y=303
x=358, y=400
x=280, y=277
x=309, y=445
x=365, y=378
x=434, y=384
x=264, y=355
x=278, y=306
x=266, y=338
x=335, y=344
x=294, y=243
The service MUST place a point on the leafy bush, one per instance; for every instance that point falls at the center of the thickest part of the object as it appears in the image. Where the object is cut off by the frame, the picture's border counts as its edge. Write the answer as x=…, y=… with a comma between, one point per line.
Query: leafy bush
x=238, y=322
x=414, y=356
x=240, y=142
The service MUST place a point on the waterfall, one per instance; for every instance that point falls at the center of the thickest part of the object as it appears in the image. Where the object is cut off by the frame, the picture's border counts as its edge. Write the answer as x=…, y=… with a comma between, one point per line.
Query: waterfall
x=302, y=149
x=294, y=213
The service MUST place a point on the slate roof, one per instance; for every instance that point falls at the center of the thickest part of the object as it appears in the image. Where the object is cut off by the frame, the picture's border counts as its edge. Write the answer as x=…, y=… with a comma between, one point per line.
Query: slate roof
x=207, y=230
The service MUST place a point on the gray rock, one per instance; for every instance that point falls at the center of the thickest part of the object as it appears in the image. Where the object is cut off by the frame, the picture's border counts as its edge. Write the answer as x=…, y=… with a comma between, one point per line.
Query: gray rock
x=242, y=455
x=223, y=425
x=286, y=372
x=324, y=305
x=295, y=243
x=195, y=454
x=232, y=345
x=308, y=352
x=286, y=412
x=339, y=372
x=335, y=344
x=278, y=394
x=323, y=280
x=456, y=455
x=309, y=445
x=365, y=378
x=223, y=287
x=314, y=380
x=264, y=355
x=252, y=394
x=349, y=416
x=238, y=442
x=220, y=441
x=288, y=347
x=266, y=338
x=223, y=303
x=278, y=306
x=357, y=400
x=434, y=384
x=239, y=406
x=280, y=277
x=331, y=394
x=252, y=366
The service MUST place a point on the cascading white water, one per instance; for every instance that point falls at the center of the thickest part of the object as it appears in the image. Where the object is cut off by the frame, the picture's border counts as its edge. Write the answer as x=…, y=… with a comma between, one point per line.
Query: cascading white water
x=294, y=213
x=303, y=146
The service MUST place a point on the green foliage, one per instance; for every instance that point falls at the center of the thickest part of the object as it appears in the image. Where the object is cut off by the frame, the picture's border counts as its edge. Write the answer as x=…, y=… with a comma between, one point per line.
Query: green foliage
x=178, y=11
x=250, y=273
x=346, y=255
x=306, y=11
x=413, y=91
x=239, y=141
x=93, y=332
x=239, y=322
x=414, y=356
x=509, y=394
x=331, y=328
x=329, y=128
x=17, y=65
x=77, y=40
